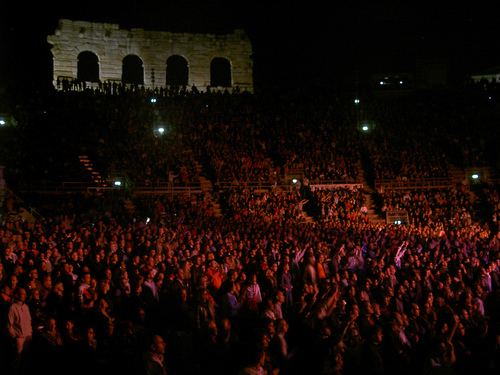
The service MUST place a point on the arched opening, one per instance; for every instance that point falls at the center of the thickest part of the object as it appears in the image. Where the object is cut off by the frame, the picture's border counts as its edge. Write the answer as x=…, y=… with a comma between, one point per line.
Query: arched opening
x=88, y=67
x=177, y=71
x=132, y=70
x=220, y=72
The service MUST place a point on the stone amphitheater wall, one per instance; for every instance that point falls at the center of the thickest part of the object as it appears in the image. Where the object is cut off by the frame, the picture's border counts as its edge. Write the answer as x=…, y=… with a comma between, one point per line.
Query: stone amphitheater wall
x=111, y=45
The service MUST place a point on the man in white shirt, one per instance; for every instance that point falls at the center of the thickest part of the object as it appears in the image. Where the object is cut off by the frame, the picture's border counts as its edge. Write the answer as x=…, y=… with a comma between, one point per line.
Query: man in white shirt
x=19, y=327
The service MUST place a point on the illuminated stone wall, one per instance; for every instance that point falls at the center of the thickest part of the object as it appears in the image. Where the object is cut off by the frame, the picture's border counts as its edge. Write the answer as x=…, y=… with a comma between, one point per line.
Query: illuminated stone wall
x=111, y=44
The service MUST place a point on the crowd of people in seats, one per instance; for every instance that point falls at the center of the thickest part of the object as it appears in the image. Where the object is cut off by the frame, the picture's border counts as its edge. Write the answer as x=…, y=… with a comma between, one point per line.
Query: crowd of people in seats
x=118, y=134
x=245, y=137
x=407, y=162
x=176, y=289
x=186, y=291
x=341, y=203
x=495, y=203
x=440, y=206
x=271, y=206
x=236, y=137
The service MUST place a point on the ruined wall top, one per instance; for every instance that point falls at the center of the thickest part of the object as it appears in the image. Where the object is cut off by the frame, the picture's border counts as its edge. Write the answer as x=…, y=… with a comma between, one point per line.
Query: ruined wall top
x=111, y=44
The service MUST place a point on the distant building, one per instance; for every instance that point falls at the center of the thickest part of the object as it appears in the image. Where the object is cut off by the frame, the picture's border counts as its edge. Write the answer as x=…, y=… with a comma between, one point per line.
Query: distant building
x=426, y=74
x=392, y=82
x=491, y=75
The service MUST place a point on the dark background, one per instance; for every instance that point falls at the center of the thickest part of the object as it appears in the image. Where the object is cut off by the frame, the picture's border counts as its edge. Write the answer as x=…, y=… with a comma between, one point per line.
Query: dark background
x=299, y=44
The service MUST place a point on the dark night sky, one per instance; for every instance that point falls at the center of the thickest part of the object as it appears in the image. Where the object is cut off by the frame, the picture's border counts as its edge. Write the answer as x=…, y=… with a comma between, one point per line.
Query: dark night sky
x=290, y=40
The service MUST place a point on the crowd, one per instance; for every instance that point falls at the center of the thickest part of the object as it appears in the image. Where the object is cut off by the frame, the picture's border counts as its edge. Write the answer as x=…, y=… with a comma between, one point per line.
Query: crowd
x=236, y=137
x=224, y=293
x=175, y=288
x=341, y=203
x=445, y=206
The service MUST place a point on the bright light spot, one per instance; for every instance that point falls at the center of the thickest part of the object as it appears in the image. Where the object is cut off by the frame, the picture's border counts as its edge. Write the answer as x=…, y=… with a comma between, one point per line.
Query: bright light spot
x=153, y=100
x=400, y=82
x=161, y=130
x=294, y=180
x=147, y=220
x=382, y=82
x=397, y=222
x=118, y=183
x=365, y=128
x=356, y=101
x=2, y=122
x=475, y=176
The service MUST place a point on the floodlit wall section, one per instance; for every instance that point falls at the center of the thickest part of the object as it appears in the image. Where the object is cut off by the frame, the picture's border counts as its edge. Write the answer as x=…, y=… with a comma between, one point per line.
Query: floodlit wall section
x=111, y=45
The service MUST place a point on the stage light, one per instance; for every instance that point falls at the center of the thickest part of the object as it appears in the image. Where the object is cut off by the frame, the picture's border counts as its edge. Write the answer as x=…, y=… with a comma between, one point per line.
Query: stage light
x=475, y=176
x=118, y=183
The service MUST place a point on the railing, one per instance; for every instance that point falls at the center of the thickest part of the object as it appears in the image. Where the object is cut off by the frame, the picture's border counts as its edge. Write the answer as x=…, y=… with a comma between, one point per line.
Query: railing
x=337, y=184
x=420, y=183
x=251, y=185
x=169, y=188
x=268, y=185
x=70, y=187
x=397, y=217
x=64, y=187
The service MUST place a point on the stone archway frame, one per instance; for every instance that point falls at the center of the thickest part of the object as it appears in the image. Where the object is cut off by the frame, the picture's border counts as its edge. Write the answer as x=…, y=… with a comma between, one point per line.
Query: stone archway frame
x=177, y=51
x=133, y=55
x=79, y=59
x=187, y=66
x=230, y=66
x=111, y=44
x=65, y=62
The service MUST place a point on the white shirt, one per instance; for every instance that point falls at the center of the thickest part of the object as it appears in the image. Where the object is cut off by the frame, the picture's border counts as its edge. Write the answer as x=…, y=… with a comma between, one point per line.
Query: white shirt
x=253, y=291
x=19, y=321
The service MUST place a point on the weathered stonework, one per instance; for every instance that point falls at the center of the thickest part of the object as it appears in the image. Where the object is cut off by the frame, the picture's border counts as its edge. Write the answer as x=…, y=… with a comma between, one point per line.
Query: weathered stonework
x=111, y=44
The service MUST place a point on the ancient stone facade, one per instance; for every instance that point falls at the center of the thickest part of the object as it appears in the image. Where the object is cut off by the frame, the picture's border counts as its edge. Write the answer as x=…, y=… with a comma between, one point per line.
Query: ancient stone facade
x=111, y=45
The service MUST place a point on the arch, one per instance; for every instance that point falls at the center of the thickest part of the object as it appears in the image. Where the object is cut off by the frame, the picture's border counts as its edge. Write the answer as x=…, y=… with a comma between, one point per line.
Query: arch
x=87, y=67
x=177, y=71
x=132, y=70
x=220, y=72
